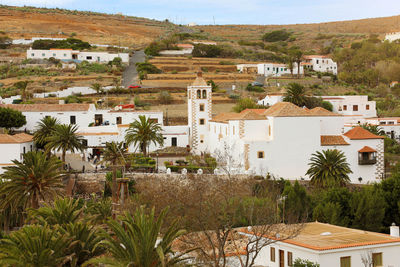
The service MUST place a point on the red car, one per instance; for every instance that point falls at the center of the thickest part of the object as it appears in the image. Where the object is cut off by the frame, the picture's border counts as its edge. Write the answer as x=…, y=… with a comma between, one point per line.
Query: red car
x=132, y=86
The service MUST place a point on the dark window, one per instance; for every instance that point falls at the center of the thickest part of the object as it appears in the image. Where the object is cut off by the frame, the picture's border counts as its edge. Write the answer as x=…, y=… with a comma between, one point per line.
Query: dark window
x=344, y=107
x=174, y=141
x=119, y=120
x=89, y=57
x=24, y=150
x=345, y=262
x=289, y=259
x=355, y=107
x=204, y=94
x=260, y=154
x=98, y=118
x=367, y=107
x=84, y=142
x=201, y=107
x=201, y=121
x=31, y=148
x=272, y=252
x=198, y=94
x=72, y=119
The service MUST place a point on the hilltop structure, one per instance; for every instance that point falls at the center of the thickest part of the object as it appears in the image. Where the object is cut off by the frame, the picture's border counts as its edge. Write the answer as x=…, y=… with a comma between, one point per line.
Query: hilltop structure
x=392, y=37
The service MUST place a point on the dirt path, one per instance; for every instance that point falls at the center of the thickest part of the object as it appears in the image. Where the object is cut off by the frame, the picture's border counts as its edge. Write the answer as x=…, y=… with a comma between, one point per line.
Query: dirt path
x=130, y=74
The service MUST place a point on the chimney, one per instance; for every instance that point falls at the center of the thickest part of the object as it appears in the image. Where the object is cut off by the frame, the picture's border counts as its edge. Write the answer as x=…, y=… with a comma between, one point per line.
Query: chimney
x=394, y=230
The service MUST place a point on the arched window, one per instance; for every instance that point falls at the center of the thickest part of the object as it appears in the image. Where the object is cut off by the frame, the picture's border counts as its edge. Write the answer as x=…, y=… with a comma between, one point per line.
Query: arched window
x=198, y=94
x=204, y=94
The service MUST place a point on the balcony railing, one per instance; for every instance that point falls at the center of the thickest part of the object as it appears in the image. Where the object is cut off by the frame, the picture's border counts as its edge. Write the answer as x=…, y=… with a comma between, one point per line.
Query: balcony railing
x=366, y=161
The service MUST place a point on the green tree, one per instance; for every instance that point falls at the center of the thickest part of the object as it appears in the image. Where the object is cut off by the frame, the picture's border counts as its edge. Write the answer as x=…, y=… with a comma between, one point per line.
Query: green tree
x=134, y=241
x=297, y=56
x=143, y=132
x=245, y=103
x=62, y=211
x=214, y=87
x=165, y=97
x=35, y=178
x=11, y=118
x=275, y=36
x=65, y=138
x=114, y=153
x=375, y=129
x=296, y=94
x=97, y=87
x=329, y=168
x=22, y=86
x=5, y=42
x=44, y=129
x=34, y=246
x=304, y=263
x=297, y=203
x=99, y=212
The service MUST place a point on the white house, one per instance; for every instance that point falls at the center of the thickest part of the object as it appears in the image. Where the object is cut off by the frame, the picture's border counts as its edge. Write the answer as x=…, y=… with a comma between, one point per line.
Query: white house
x=393, y=36
x=320, y=63
x=13, y=147
x=271, y=99
x=330, y=246
x=277, y=69
x=352, y=105
x=69, y=55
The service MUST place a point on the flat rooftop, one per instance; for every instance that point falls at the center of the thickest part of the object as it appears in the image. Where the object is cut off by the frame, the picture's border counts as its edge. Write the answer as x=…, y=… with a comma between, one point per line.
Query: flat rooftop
x=322, y=236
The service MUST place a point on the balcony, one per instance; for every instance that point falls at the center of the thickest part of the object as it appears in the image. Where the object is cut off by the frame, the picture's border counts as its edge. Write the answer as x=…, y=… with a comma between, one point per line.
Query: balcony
x=366, y=161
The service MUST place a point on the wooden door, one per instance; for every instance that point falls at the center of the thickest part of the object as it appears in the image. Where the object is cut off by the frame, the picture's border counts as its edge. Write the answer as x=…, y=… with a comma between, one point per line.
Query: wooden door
x=281, y=258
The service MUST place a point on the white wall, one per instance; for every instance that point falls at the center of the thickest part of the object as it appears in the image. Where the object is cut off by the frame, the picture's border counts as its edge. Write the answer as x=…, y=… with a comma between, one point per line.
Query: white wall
x=102, y=57
x=345, y=105
x=13, y=152
x=323, y=64
x=270, y=100
x=391, y=37
x=277, y=70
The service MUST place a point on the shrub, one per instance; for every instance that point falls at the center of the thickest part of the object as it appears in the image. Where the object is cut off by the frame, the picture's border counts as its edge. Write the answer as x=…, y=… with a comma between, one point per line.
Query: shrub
x=234, y=96
x=71, y=43
x=202, y=50
x=165, y=97
x=244, y=103
x=275, y=36
x=10, y=118
x=252, y=88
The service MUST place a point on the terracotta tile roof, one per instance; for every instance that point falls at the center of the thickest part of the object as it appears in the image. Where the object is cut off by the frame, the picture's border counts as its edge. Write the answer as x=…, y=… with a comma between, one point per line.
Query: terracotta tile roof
x=333, y=140
x=322, y=236
x=259, y=111
x=367, y=149
x=318, y=111
x=247, y=114
x=286, y=109
x=47, y=107
x=15, y=139
x=359, y=133
x=314, y=56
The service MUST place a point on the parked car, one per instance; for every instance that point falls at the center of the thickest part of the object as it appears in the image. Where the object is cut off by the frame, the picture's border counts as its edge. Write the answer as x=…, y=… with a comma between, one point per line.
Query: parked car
x=133, y=86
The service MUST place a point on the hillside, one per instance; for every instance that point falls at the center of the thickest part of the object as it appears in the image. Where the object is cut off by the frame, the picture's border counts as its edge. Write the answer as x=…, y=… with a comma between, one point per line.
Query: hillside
x=27, y=22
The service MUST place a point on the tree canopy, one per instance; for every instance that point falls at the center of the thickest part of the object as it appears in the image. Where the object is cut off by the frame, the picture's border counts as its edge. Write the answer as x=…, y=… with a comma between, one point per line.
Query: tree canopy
x=11, y=118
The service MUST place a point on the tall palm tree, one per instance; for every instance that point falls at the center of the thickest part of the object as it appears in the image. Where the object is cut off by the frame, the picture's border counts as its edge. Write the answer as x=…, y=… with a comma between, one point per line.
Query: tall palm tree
x=44, y=129
x=143, y=132
x=135, y=241
x=64, y=138
x=329, y=168
x=34, y=246
x=295, y=94
x=114, y=153
x=35, y=178
x=297, y=56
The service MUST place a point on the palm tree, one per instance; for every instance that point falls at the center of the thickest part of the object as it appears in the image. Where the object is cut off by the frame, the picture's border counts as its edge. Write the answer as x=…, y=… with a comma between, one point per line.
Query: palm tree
x=329, y=168
x=34, y=246
x=297, y=56
x=99, y=211
x=97, y=87
x=290, y=61
x=44, y=129
x=114, y=153
x=295, y=94
x=375, y=129
x=64, y=137
x=143, y=132
x=35, y=178
x=62, y=211
x=136, y=242
x=21, y=86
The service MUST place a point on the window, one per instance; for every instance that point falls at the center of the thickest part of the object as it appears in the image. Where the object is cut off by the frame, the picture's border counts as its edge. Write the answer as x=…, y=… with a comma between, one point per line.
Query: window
x=174, y=141
x=33, y=54
x=317, y=61
x=269, y=130
x=355, y=107
x=85, y=142
x=204, y=94
x=31, y=148
x=344, y=107
x=54, y=54
x=43, y=54
x=65, y=55
x=268, y=68
x=89, y=57
x=72, y=119
x=201, y=107
x=367, y=107
x=198, y=94
x=119, y=120
x=382, y=122
x=290, y=258
x=201, y=121
x=345, y=262
x=377, y=259
x=260, y=154
x=391, y=122
x=24, y=150
x=233, y=130
x=272, y=252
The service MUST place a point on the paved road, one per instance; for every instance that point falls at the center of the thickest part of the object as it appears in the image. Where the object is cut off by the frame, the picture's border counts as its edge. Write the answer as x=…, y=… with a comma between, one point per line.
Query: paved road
x=130, y=74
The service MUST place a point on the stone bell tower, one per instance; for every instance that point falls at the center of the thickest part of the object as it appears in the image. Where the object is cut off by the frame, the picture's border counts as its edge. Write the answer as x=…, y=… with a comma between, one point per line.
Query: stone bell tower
x=199, y=113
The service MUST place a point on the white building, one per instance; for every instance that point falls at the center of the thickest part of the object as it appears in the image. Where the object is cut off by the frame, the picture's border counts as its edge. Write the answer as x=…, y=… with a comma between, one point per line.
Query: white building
x=271, y=99
x=14, y=147
x=332, y=246
x=320, y=63
x=352, y=105
x=69, y=55
x=277, y=69
x=393, y=36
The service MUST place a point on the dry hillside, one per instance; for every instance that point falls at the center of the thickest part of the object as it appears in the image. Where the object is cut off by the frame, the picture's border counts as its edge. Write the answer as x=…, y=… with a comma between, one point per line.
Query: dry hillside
x=27, y=22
